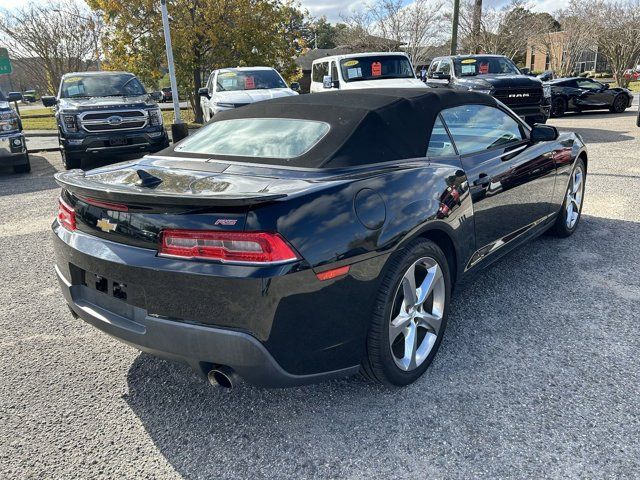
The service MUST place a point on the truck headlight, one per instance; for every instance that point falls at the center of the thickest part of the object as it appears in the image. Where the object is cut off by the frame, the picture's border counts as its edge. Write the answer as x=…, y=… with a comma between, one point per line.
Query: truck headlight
x=9, y=122
x=546, y=90
x=155, y=117
x=70, y=123
x=482, y=90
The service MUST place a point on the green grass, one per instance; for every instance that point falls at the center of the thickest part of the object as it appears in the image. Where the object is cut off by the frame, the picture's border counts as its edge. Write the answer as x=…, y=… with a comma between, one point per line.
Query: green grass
x=49, y=122
x=44, y=123
x=36, y=112
x=634, y=87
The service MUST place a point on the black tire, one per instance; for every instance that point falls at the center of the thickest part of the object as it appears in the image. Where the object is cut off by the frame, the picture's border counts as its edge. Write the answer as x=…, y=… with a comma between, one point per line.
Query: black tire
x=25, y=167
x=619, y=105
x=378, y=364
x=70, y=161
x=558, y=107
x=561, y=228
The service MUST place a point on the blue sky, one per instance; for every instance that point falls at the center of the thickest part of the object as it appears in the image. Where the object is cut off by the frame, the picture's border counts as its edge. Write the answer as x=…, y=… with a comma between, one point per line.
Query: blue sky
x=332, y=9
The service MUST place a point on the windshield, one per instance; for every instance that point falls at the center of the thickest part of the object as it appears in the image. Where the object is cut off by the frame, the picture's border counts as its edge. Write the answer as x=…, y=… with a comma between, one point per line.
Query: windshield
x=280, y=138
x=376, y=67
x=233, y=80
x=484, y=65
x=108, y=85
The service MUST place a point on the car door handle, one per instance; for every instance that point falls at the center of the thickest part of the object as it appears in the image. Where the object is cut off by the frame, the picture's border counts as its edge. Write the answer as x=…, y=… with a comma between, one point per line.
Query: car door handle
x=483, y=181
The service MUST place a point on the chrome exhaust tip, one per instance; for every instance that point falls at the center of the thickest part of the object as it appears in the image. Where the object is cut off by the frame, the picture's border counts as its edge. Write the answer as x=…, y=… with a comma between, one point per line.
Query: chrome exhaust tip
x=222, y=376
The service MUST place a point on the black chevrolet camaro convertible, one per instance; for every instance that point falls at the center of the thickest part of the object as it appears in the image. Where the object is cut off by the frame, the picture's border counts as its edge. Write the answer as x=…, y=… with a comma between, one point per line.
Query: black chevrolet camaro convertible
x=311, y=237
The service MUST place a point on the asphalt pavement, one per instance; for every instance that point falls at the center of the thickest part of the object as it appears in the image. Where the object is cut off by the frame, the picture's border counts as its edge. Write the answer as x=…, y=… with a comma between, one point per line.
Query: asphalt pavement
x=538, y=375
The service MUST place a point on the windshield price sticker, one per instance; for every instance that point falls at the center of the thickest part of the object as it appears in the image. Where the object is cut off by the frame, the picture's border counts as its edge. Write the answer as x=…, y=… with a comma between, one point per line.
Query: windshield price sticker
x=376, y=69
x=249, y=83
x=484, y=68
x=467, y=61
x=468, y=69
x=354, y=73
x=351, y=63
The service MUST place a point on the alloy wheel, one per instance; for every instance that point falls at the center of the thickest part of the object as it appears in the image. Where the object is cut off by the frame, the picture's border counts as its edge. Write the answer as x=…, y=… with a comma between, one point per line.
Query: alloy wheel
x=574, y=197
x=416, y=316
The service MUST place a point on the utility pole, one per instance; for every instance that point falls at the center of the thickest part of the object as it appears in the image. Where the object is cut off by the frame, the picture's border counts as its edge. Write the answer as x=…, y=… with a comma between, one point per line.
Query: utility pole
x=179, y=129
x=475, y=25
x=454, y=32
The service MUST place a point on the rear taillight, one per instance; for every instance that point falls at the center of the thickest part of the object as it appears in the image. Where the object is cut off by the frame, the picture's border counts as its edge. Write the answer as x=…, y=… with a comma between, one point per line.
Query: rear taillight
x=233, y=247
x=66, y=215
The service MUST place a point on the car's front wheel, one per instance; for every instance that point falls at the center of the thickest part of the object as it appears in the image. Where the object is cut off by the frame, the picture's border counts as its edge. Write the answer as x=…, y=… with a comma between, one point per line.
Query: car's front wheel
x=410, y=315
x=558, y=107
x=620, y=104
x=569, y=217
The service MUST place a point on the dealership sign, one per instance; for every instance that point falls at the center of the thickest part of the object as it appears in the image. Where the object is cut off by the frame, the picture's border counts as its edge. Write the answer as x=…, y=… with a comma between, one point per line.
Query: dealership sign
x=5, y=63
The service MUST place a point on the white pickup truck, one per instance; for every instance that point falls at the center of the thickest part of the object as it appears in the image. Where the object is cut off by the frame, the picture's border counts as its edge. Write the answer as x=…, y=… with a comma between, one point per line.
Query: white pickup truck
x=363, y=70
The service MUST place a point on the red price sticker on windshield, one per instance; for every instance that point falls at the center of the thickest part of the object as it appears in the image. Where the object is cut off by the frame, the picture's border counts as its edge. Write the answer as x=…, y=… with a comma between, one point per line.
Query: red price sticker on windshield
x=249, y=83
x=484, y=68
x=376, y=69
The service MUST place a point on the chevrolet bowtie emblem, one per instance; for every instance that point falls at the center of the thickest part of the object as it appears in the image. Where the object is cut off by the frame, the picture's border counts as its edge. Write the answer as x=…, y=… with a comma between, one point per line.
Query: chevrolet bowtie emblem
x=106, y=226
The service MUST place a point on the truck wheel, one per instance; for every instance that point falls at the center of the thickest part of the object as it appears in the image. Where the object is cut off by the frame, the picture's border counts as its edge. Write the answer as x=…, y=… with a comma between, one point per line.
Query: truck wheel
x=70, y=161
x=25, y=167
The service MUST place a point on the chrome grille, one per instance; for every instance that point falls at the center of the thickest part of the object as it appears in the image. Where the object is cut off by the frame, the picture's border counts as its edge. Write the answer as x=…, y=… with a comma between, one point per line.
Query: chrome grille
x=519, y=96
x=113, y=120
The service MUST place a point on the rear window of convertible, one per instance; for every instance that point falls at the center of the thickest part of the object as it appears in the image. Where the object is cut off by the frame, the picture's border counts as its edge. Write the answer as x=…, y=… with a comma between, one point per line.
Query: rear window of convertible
x=280, y=138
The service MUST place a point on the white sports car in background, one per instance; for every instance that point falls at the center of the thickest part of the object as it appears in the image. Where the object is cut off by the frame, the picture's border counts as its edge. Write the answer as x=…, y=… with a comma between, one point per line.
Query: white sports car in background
x=229, y=88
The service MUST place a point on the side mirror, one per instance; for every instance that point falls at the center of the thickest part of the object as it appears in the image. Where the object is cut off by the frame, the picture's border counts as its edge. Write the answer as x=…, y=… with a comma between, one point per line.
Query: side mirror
x=14, y=97
x=543, y=133
x=327, y=82
x=295, y=86
x=157, y=96
x=49, y=101
x=525, y=71
x=203, y=92
x=441, y=76
x=605, y=86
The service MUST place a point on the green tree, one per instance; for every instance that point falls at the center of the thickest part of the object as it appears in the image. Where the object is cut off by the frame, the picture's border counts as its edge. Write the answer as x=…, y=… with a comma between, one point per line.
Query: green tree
x=320, y=33
x=206, y=34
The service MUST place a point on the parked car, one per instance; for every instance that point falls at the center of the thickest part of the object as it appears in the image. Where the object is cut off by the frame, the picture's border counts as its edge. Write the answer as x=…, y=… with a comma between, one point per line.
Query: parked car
x=100, y=113
x=363, y=70
x=167, y=95
x=13, y=147
x=495, y=75
x=632, y=75
x=230, y=88
x=579, y=94
x=312, y=237
x=29, y=96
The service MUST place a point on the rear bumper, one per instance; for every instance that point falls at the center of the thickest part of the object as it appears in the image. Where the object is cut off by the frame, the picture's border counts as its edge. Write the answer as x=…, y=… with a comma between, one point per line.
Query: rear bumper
x=275, y=328
x=199, y=346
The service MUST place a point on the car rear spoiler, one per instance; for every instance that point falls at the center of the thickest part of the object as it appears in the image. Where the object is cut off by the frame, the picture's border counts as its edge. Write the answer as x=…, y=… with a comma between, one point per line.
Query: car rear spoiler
x=76, y=182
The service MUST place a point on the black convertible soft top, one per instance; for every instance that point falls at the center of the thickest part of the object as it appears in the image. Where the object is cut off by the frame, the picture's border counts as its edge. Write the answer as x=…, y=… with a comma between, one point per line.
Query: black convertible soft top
x=367, y=126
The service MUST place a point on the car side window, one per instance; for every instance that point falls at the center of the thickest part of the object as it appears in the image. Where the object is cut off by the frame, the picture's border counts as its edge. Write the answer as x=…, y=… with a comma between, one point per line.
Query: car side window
x=433, y=68
x=478, y=128
x=445, y=67
x=319, y=71
x=588, y=84
x=440, y=143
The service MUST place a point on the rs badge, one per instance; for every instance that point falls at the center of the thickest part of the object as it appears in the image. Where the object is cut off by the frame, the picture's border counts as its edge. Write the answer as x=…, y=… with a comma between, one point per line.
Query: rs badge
x=106, y=226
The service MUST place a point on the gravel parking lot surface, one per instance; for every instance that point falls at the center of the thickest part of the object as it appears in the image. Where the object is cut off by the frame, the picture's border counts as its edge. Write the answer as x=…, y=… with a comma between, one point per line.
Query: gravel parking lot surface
x=538, y=375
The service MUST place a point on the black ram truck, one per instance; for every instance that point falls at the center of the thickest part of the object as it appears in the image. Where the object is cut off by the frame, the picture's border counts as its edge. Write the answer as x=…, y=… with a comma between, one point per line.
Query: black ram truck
x=106, y=113
x=495, y=75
